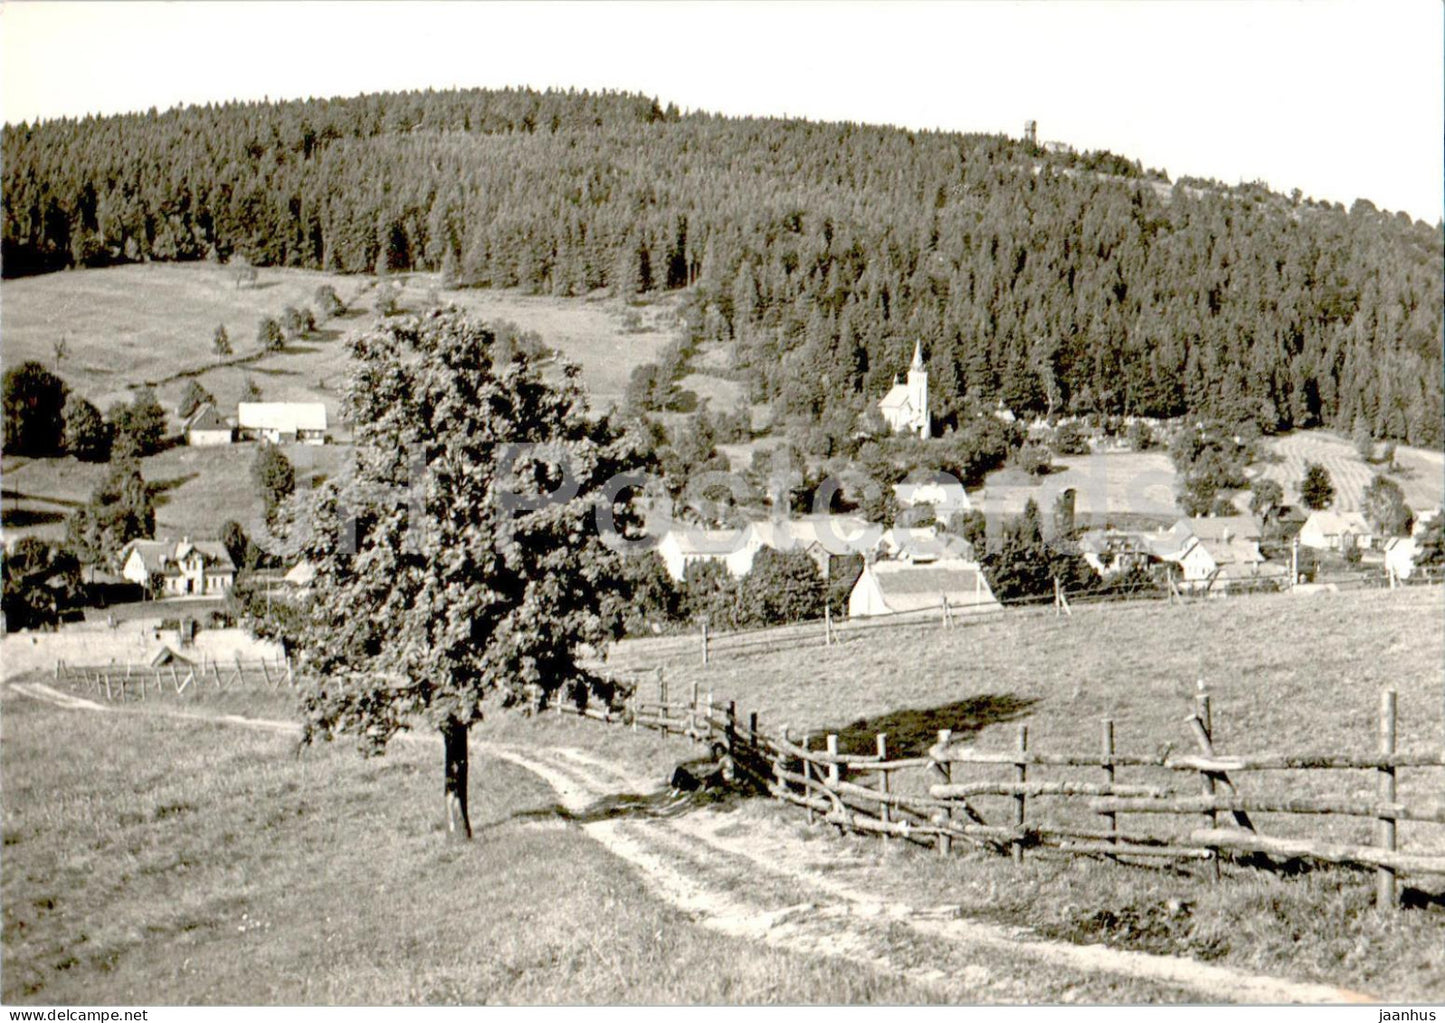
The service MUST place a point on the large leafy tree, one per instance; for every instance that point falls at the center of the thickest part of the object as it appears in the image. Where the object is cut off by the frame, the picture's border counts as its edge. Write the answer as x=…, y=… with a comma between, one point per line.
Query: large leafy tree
x=782, y=586
x=274, y=476
x=40, y=579
x=87, y=434
x=461, y=564
x=34, y=410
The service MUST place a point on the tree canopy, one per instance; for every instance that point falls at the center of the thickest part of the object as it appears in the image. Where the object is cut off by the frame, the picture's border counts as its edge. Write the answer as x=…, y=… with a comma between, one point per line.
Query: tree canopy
x=460, y=565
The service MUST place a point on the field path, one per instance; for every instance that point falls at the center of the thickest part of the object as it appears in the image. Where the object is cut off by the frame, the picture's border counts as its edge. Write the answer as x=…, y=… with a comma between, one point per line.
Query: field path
x=761, y=883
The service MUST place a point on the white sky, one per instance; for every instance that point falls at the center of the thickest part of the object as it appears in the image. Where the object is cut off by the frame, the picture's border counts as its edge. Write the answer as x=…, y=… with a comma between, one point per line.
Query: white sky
x=1339, y=99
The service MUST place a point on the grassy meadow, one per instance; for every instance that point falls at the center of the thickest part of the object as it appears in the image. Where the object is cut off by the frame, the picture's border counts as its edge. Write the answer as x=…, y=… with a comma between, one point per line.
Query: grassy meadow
x=1285, y=674
x=1420, y=472
x=152, y=324
x=156, y=861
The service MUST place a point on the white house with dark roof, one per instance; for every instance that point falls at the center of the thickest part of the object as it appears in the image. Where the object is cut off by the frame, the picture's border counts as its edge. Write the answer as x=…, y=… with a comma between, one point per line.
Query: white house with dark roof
x=901, y=587
x=208, y=428
x=905, y=406
x=282, y=422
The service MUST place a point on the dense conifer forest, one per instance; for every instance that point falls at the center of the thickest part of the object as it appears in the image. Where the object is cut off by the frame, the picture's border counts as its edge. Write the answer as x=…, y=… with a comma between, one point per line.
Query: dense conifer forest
x=813, y=254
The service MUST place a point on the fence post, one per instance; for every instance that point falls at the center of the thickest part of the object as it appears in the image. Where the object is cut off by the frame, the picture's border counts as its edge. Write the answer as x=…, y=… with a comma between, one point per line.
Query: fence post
x=753, y=731
x=704, y=644
x=806, y=770
x=1108, y=741
x=730, y=735
x=885, y=812
x=707, y=719
x=1386, y=896
x=835, y=773
x=945, y=771
x=1021, y=774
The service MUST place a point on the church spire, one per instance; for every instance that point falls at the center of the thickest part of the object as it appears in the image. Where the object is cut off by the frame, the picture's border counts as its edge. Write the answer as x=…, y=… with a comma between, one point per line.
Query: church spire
x=917, y=356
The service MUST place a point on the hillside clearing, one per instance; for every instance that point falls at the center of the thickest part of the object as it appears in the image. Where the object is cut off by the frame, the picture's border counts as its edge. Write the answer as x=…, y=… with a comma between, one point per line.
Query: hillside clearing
x=1421, y=474
x=153, y=323
x=1112, y=483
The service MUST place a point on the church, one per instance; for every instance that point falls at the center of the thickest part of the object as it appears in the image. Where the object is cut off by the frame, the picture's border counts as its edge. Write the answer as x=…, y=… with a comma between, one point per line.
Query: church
x=905, y=406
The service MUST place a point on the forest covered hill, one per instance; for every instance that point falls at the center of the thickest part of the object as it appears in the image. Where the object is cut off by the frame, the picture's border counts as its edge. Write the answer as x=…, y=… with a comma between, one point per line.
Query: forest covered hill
x=813, y=254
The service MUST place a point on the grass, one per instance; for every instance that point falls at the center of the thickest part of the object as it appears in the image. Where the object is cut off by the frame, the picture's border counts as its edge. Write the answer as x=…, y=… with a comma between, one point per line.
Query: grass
x=1286, y=674
x=196, y=489
x=154, y=861
x=1421, y=472
x=1116, y=482
x=128, y=326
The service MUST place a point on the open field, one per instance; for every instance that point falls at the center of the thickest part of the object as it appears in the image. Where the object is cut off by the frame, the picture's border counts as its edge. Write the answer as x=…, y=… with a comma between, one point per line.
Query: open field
x=1421, y=475
x=218, y=867
x=197, y=489
x=1116, y=482
x=153, y=323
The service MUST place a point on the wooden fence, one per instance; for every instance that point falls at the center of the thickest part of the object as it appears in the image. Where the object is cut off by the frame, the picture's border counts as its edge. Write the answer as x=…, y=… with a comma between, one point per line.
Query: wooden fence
x=711, y=644
x=140, y=681
x=953, y=793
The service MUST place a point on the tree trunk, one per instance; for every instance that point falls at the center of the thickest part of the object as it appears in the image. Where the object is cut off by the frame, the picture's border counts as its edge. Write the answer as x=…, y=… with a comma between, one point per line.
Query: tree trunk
x=454, y=741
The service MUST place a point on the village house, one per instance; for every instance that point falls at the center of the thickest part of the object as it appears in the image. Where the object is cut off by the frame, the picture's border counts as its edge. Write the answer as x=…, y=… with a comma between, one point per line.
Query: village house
x=1111, y=552
x=1216, y=566
x=1400, y=552
x=187, y=568
x=905, y=406
x=207, y=428
x=943, y=493
x=900, y=587
x=685, y=545
x=1327, y=530
x=282, y=422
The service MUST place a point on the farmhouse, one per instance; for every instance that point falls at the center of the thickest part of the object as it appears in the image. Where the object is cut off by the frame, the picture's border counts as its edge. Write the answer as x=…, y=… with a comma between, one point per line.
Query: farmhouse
x=282, y=422
x=905, y=406
x=178, y=569
x=207, y=428
x=1216, y=566
x=899, y=587
x=1110, y=552
x=685, y=545
x=1327, y=530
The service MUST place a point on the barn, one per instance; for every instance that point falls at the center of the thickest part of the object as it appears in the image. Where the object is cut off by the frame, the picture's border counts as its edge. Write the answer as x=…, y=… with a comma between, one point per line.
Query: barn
x=901, y=587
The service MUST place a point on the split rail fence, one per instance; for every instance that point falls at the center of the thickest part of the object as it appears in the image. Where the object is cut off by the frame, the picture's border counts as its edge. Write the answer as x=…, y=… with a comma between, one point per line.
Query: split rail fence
x=140, y=681
x=1024, y=799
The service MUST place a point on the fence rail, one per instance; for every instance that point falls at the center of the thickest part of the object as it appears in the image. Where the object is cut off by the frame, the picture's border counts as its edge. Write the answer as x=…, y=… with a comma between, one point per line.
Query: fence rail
x=928, y=800
x=141, y=681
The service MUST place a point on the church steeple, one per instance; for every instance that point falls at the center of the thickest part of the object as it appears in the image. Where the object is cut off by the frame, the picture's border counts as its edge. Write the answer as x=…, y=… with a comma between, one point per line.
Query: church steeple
x=917, y=363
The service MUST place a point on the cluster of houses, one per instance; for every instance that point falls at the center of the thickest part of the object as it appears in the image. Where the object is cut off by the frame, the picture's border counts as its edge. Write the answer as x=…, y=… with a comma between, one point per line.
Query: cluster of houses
x=278, y=422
